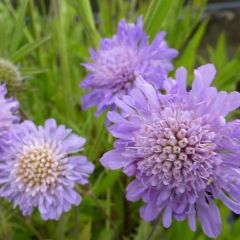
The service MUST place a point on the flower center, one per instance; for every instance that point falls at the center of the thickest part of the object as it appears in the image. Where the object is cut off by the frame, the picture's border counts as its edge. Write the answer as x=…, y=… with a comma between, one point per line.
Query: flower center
x=176, y=149
x=116, y=67
x=38, y=168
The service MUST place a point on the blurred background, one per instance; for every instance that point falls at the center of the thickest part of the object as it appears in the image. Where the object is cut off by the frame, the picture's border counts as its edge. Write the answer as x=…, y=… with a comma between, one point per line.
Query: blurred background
x=48, y=40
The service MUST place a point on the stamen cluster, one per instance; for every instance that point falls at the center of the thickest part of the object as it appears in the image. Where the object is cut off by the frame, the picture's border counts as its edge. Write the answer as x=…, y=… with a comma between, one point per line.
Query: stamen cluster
x=38, y=168
x=176, y=150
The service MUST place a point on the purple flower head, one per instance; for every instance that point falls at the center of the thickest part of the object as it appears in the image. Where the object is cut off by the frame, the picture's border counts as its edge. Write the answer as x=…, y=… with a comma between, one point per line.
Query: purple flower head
x=120, y=60
x=179, y=148
x=8, y=109
x=41, y=168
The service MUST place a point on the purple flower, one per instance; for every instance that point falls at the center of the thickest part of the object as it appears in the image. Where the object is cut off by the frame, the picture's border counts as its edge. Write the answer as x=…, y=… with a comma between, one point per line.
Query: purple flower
x=120, y=60
x=8, y=109
x=41, y=168
x=180, y=149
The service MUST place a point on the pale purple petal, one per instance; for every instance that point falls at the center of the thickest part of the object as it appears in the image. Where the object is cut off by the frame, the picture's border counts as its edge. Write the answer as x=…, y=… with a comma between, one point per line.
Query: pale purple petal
x=113, y=160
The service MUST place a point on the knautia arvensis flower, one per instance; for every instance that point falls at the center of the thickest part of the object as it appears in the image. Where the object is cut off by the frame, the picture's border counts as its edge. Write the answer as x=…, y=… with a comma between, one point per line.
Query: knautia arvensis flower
x=180, y=149
x=9, y=73
x=8, y=116
x=119, y=60
x=41, y=167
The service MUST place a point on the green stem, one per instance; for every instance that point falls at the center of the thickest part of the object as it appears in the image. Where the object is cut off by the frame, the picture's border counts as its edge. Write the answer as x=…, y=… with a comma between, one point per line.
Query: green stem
x=63, y=58
x=102, y=209
x=154, y=228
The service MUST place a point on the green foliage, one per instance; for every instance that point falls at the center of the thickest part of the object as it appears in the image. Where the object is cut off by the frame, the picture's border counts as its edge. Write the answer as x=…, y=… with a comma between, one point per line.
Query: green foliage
x=188, y=56
x=49, y=45
x=157, y=12
x=228, y=68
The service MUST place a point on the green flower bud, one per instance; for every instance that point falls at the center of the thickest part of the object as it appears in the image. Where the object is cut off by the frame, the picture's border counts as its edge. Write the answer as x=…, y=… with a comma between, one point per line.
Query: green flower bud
x=9, y=73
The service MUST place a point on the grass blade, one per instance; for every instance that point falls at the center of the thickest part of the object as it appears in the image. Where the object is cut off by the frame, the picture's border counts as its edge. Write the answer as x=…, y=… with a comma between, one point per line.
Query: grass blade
x=19, y=24
x=156, y=13
x=86, y=14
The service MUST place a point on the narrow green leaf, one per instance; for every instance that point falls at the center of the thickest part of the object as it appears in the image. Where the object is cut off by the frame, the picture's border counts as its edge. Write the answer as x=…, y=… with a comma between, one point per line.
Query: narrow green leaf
x=86, y=232
x=27, y=49
x=30, y=71
x=182, y=21
x=188, y=57
x=229, y=75
x=221, y=57
x=156, y=13
x=105, y=15
x=19, y=24
x=106, y=182
x=86, y=14
x=143, y=231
